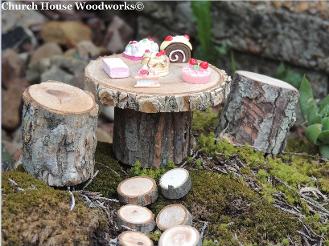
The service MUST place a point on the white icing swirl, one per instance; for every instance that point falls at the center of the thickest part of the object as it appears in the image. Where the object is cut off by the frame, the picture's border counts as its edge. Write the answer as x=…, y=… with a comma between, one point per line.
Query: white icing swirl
x=176, y=57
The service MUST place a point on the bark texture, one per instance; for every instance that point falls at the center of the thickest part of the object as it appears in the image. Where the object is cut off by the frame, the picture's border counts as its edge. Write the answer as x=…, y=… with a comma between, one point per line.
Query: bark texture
x=153, y=139
x=58, y=148
x=258, y=114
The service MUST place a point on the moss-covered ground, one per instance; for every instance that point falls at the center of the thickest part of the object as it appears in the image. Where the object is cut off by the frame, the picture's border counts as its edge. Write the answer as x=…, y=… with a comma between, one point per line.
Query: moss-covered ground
x=244, y=197
x=35, y=214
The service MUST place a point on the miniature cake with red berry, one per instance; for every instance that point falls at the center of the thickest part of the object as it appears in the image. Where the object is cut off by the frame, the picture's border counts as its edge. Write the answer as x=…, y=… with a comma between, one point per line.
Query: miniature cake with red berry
x=157, y=64
x=136, y=50
x=196, y=72
x=178, y=48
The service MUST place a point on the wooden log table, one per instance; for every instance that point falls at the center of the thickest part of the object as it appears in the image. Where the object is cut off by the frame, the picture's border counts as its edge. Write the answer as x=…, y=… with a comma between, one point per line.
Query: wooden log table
x=153, y=125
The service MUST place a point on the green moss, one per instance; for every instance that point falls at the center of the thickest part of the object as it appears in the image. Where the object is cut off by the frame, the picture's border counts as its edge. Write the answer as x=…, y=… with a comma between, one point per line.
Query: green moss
x=232, y=207
x=204, y=121
x=155, y=173
x=300, y=145
x=110, y=174
x=41, y=215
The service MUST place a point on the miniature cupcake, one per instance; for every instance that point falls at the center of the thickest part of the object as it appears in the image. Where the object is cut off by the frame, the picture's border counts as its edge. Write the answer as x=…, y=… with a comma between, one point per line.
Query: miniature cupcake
x=135, y=50
x=178, y=48
x=196, y=73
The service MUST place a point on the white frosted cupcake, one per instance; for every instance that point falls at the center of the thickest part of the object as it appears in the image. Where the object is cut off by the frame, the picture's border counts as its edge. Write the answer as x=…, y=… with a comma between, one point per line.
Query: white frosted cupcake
x=135, y=50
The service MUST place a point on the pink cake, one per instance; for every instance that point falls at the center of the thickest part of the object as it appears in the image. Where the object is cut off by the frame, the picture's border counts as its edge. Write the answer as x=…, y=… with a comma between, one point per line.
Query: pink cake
x=135, y=50
x=115, y=68
x=196, y=73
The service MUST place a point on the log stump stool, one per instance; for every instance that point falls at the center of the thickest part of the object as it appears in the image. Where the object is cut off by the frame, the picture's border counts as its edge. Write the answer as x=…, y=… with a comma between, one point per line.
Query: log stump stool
x=153, y=125
x=59, y=140
x=259, y=111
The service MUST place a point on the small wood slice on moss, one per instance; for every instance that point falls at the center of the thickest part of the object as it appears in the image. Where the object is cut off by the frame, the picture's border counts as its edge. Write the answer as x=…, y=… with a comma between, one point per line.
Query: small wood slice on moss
x=138, y=190
x=136, y=218
x=134, y=238
x=59, y=133
x=182, y=235
x=175, y=183
x=173, y=215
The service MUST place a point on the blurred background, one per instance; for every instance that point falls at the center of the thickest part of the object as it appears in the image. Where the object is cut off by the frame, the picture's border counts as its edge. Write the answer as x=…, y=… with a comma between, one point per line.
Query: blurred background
x=286, y=40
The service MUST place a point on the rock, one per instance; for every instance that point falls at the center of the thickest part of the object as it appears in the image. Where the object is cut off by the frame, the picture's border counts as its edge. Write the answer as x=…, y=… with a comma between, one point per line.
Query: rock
x=12, y=66
x=108, y=112
x=21, y=39
x=85, y=50
x=118, y=34
x=30, y=19
x=56, y=73
x=11, y=98
x=14, y=149
x=97, y=25
x=68, y=33
x=67, y=69
x=45, y=51
x=103, y=136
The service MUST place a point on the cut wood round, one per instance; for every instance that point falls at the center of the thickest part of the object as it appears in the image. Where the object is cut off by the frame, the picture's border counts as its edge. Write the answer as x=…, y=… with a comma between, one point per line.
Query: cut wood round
x=134, y=238
x=173, y=215
x=182, y=235
x=175, y=183
x=136, y=218
x=59, y=140
x=138, y=190
x=152, y=139
x=259, y=112
x=173, y=95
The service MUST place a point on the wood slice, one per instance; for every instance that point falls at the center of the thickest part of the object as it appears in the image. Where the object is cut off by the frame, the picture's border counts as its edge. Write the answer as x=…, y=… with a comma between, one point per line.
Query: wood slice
x=259, y=111
x=138, y=190
x=59, y=140
x=134, y=238
x=182, y=235
x=136, y=218
x=175, y=183
x=173, y=215
x=172, y=96
x=153, y=139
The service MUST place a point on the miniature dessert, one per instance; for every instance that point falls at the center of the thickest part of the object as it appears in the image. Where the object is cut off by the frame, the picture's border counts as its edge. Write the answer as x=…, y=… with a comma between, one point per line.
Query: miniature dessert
x=196, y=73
x=178, y=48
x=115, y=68
x=135, y=50
x=155, y=64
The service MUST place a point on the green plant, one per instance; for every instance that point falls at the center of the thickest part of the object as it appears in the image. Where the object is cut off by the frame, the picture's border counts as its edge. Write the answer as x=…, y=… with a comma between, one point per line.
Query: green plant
x=316, y=117
x=155, y=173
x=202, y=14
x=288, y=75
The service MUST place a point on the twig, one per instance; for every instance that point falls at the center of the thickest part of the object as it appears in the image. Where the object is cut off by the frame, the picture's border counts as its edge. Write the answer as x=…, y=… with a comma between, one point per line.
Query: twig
x=15, y=185
x=204, y=227
x=90, y=180
x=72, y=200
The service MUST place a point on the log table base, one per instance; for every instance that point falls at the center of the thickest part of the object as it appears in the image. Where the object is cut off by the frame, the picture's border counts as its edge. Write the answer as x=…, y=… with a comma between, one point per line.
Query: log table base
x=153, y=125
x=153, y=139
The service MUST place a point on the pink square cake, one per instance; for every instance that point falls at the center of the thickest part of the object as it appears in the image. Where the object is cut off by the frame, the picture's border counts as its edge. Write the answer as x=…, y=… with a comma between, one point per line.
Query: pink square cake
x=115, y=68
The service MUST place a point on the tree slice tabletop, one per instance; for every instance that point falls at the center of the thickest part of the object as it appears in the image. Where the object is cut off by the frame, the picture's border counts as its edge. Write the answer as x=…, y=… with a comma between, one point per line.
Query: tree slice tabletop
x=173, y=95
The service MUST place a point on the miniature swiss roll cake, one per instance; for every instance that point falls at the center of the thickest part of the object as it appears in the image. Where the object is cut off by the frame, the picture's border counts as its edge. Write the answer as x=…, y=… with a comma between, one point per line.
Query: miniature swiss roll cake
x=115, y=67
x=196, y=72
x=135, y=50
x=178, y=48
